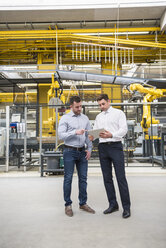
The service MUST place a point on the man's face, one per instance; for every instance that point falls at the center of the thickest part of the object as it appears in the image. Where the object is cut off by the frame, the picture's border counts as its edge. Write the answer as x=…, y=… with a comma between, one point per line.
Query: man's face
x=104, y=105
x=76, y=107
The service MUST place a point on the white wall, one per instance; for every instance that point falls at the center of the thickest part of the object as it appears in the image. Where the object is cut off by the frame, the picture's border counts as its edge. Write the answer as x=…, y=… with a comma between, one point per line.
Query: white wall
x=73, y=4
x=163, y=21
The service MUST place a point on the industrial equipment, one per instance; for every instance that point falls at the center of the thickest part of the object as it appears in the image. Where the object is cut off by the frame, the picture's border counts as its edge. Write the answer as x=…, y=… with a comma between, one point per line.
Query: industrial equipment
x=152, y=135
x=160, y=156
x=151, y=94
x=54, y=97
x=54, y=162
x=2, y=141
x=56, y=90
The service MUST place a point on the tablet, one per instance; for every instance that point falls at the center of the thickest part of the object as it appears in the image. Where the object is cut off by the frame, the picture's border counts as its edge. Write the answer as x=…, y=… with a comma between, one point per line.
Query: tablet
x=95, y=133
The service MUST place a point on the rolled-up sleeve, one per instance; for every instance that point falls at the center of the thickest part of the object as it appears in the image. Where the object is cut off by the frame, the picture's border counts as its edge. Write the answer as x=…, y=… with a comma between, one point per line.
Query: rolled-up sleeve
x=63, y=132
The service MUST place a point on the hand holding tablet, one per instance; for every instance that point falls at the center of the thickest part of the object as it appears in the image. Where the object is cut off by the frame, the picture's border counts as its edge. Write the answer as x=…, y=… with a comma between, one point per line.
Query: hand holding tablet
x=95, y=133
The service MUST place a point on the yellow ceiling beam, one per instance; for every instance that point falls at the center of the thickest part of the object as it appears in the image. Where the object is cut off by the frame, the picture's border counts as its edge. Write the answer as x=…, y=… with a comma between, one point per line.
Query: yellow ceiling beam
x=15, y=45
x=47, y=34
x=71, y=31
x=36, y=41
x=105, y=40
x=68, y=39
x=63, y=42
x=129, y=42
x=47, y=51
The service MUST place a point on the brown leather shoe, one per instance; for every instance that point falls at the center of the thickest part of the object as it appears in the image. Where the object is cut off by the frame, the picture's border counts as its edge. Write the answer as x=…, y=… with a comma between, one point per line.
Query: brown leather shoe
x=69, y=211
x=87, y=209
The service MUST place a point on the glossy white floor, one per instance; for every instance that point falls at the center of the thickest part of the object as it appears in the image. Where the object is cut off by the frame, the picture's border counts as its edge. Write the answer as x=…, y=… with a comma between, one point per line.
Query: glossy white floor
x=32, y=212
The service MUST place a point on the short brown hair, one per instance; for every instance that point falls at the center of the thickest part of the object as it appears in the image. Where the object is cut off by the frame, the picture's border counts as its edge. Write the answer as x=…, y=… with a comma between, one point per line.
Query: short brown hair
x=74, y=99
x=102, y=96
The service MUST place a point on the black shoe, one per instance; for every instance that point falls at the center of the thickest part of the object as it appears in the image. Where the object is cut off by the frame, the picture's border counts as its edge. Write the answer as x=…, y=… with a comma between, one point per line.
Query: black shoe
x=111, y=210
x=126, y=214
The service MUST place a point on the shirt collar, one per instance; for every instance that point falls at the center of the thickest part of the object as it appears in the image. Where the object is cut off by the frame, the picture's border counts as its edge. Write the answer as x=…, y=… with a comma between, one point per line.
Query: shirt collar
x=72, y=113
x=108, y=110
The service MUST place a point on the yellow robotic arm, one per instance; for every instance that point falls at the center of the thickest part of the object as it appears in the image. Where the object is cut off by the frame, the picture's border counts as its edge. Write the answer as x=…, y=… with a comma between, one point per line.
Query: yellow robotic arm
x=151, y=94
x=56, y=91
x=54, y=97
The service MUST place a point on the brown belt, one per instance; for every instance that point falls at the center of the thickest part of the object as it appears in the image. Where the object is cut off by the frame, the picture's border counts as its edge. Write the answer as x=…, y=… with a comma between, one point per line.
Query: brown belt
x=75, y=148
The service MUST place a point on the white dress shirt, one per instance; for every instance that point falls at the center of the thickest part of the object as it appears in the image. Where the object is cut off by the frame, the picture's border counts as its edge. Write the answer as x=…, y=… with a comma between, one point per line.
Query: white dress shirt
x=114, y=121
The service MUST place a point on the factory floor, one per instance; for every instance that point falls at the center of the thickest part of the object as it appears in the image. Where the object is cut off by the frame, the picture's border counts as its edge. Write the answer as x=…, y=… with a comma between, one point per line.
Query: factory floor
x=32, y=212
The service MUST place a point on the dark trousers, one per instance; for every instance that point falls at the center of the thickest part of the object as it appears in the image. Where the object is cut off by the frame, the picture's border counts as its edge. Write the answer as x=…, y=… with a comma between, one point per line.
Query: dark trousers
x=109, y=153
x=71, y=158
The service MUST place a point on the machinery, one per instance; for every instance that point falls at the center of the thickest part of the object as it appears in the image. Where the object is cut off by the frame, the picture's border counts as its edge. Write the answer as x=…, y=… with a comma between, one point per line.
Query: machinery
x=54, y=97
x=56, y=90
x=2, y=141
x=151, y=94
x=152, y=135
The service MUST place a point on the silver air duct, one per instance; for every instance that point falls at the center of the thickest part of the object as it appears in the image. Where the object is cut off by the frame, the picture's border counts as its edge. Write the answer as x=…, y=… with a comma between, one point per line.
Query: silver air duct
x=98, y=78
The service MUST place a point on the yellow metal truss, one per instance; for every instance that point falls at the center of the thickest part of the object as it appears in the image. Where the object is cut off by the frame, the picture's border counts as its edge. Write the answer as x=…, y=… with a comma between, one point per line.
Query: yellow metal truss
x=26, y=46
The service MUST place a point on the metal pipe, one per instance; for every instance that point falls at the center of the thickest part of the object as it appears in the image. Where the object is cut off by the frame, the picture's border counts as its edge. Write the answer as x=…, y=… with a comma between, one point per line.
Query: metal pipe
x=105, y=55
x=89, y=30
x=109, y=55
x=92, y=52
x=56, y=127
x=98, y=78
x=76, y=52
x=57, y=62
x=25, y=138
x=99, y=54
x=40, y=141
x=80, y=52
x=121, y=56
x=124, y=56
x=116, y=56
x=88, y=52
x=151, y=140
x=112, y=57
x=128, y=57
x=132, y=56
x=72, y=51
x=100, y=45
x=95, y=53
x=7, y=137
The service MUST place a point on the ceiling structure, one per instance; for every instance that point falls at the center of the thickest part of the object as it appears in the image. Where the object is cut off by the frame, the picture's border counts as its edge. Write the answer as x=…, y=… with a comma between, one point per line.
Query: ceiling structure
x=68, y=11
x=131, y=35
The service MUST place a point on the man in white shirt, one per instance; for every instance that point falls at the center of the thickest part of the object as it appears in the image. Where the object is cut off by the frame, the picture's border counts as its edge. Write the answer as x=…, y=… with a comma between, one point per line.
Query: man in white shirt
x=111, y=152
